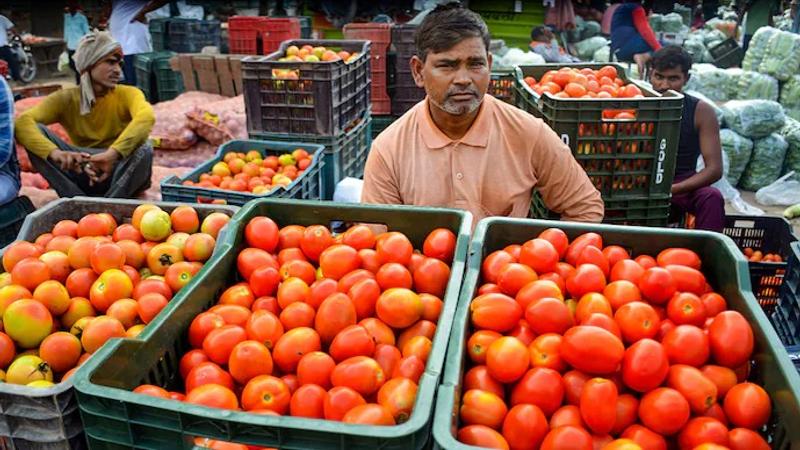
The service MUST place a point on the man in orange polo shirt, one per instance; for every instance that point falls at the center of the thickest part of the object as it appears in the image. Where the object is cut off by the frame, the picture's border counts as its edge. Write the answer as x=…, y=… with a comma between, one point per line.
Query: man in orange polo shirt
x=463, y=149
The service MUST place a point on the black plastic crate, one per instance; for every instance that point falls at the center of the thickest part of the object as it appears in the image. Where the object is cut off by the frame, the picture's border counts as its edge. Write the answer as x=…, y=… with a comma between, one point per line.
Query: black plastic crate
x=727, y=54
x=405, y=94
x=624, y=158
x=322, y=98
x=646, y=211
x=345, y=154
x=12, y=215
x=794, y=355
x=501, y=85
x=306, y=186
x=786, y=316
x=191, y=35
x=158, y=33
x=770, y=234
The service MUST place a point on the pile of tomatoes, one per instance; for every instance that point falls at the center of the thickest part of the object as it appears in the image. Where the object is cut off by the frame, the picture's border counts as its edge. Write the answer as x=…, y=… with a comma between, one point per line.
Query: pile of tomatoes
x=65, y=294
x=759, y=256
x=322, y=326
x=568, y=82
x=578, y=345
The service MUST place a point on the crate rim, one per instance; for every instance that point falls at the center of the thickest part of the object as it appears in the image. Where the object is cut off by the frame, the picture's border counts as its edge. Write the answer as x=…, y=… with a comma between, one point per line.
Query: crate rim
x=273, y=57
x=415, y=422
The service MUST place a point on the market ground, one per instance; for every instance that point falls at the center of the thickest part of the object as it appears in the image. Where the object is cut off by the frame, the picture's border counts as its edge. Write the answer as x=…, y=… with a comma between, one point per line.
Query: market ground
x=66, y=80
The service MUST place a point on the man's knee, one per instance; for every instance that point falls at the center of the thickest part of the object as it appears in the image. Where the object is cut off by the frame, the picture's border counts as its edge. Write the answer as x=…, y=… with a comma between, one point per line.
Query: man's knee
x=710, y=196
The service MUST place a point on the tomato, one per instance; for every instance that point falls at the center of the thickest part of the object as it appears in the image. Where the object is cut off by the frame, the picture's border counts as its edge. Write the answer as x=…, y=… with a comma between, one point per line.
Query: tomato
x=410, y=367
x=628, y=270
x=219, y=343
x=493, y=263
x=731, y=339
x=645, y=365
x=567, y=437
x=316, y=238
x=315, y=368
x=431, y=277
x=266, y=392
x=496, y=312
x=714, y=303
x=637, y=320
x=482, y=408
x=201, y=325
x=586, y=278
x=701, y=430
x=481, y=436
x=380, y=332
x=694, y=386
x=678, y=256
x=299, y=269
x=557, y=238
x=686, y=344
x=646, y=261
x=598, y=405
x=146, y=286
x=351, y=279
x=541, y=387
x=581, y=242
x=687, y=279
x=291, y=254
x=567, y=415
x=657, y=285
x=308, y=401
x=292, y=290
x=716, y=412
x=548, y=315
x=297, y=315
x=478, y=378
x=151, y=390
x=564, y=270
x=593, y=255
x=338, y=260
x=513, y=250
x=627, y=413
x=507, y=359
x=369, y=260
x=592, y=350
x=339, y=401
x=361, y=373
x=573, y=385
x=207, y=373
x=359, y=237
x=354, y=340
x=320, y=290
x=335, y=314
x=238, y=294
x=433, y=306
x=190, y=360
x=592, y=303
x=723, y=377
x=394, y=275
x=744, y=439
x=248, y=360
x=620, y=444
x=262, y=232
x=545, y=351
x=394, y=247
x=250, y=259
x=214, y=396
x=440, y=244
x=525, y=427
x=747, y=405
x=364, y=294
x=645, y=437
x=399, y=307
x=621, y=292
x=615, y=254
x=398, y=396
x=664, y=411
x=513, y=276
x=555, y=278
x=536, y=290
x=264, y=327
x=292, y=345
x=540, y=255
x=686, y=308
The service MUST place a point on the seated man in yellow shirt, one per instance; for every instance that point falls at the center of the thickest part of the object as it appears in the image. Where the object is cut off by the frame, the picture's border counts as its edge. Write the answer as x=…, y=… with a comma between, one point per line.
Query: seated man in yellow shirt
x=108, y=123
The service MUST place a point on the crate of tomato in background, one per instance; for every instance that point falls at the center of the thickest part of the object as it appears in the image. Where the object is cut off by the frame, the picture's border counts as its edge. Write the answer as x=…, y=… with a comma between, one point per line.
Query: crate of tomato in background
x=307, y=87
x=380, y=36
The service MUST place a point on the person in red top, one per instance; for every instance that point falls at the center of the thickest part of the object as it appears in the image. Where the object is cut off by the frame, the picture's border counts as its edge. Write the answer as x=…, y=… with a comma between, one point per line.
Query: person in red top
x=632, y=39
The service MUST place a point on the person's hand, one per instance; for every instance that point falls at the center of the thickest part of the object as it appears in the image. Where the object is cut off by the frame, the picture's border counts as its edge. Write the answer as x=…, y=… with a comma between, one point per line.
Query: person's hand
x=101, y=166
x=140, y=17
x=68, y=161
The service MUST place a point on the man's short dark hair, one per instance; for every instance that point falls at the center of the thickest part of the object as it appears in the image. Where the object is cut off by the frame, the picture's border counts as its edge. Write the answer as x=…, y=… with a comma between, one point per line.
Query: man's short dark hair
x=670, y=57
x=538, y=32
x=446, y=26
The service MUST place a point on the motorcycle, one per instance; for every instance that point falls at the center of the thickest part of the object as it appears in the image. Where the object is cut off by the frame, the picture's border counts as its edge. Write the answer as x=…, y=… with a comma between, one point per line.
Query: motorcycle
x=27, y=65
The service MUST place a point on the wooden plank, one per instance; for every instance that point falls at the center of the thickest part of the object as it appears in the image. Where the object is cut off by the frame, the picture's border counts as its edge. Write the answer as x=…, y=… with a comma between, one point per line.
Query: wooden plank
x=206, y=74
x=236, y=70
x=225, y=76
x=187, y=72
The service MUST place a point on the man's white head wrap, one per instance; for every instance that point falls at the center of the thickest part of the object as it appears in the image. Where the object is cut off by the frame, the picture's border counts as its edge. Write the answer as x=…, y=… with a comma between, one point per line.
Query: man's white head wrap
x=92, y=48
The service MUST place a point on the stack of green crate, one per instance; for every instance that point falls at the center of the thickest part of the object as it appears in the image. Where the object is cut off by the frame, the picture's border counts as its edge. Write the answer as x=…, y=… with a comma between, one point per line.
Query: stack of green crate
x=155, y=77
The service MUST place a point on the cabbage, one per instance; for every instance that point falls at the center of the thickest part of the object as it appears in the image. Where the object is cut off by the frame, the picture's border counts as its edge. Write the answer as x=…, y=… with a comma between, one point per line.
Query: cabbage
x=590, y=29
x=782, y=58
x=766, y=163
x=791, y=132
x=710, y=81
x=697, y=49
x=738, y=148
x=790, y=97
x=655, y=22
x=586, y=48
x=672, y=23
x=754, y=118
x=602, y=54
x=757, y=86
x=734, y=74
x=758, y=48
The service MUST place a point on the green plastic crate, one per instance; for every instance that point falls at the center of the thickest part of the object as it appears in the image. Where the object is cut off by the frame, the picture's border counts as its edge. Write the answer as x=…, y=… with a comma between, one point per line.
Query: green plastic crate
x=158, y=33
x=724, y=267
x=169, y=84
x=380, y=123
x=114, y=417
x=345, y=154
x=506, y=23
x=306, y=186
x=155, y=77
x=623, y=158
x=48, y=418
x=646, y=211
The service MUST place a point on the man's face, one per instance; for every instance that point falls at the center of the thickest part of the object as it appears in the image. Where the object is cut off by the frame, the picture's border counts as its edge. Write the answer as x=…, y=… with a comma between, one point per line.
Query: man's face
x=457, y=79
x=666, y=79
x=108, y=71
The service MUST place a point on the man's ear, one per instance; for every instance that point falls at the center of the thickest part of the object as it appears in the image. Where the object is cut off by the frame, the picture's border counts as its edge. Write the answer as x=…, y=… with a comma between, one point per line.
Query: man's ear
x=416, y=71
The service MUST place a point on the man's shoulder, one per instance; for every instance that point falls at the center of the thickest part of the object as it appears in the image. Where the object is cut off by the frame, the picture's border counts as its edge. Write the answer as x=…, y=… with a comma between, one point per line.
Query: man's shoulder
x=513, y=119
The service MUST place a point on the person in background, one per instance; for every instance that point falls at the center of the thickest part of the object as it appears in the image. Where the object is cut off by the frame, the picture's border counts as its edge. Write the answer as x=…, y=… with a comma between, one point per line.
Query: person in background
x=75, y=27
x=692, y=191
x=128, y=25
x=605, y=24
x=6, y=27
x=758, y=14
x=109, y=125
x=9, y=166
x=289, y=7
x=632, y=39
x=461, y=148
x=543, y=42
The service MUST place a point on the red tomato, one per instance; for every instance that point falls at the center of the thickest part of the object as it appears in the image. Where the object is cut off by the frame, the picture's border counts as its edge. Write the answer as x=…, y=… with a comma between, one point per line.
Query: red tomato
x=482, y=436
x=627, y=413
x=747, y=405
x=493, y=263
x=478, y=378
x=541, y=387
x=694, y=386
x=686, y=309
x=315, y=240
x=679, y=256
x=744, y=439
x=525, y=427
x=615, y=254
x=361, y=373
x=201, y=325
x=262, y=232
x=354, y=340
x=251, y=259
x=664, y=411
x=220, y=342
x=496, y=312
x=598, y=405
x=686, y=344
x=513, y=276
x=592, y=303
x=339, y=401
x=545, y=351
x=592, y=350
x=646, y=261
x=723, y=377
x=536, y=290
x=586, y=278
x=478, y=344
x=410, y=367
x=567, y=415
x=593, y=255
x=637, y=320
x=567, y=437
x=190, y=360
x=431, y=277
x=621, y=292
x=482, y=408
x=731, y=339
x=249, y=359
x=507, y=359
x=701, y=430
x=657, y=285
x=628, y=270
x=548, y=315
x=558, y=238
x=292, y=345
x=645, y=437
x=207, y=373
x=714, y=304
x=540, y=255
x=579, y=243
x=645, y=366
x=440, y=244
x=573, y=385
x=266, y=392
x=523, y=332
x=308, y=401
x=338, y=260
x=394, y=247
x=398, y=396
x=214, y=396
